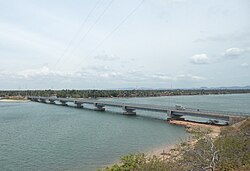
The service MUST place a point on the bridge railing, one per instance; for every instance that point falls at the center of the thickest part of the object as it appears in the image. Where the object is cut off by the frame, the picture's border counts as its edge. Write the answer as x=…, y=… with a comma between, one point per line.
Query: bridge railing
x=211, y=111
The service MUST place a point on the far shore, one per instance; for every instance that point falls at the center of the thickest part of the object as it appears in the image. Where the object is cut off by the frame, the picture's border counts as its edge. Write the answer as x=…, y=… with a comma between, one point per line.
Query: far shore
x=14, y=100
x=111, y=97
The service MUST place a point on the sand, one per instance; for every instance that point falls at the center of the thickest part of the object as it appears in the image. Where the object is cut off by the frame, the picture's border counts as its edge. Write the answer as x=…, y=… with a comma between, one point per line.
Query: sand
x=171, y=151
x=215, y=130
x=12, y=100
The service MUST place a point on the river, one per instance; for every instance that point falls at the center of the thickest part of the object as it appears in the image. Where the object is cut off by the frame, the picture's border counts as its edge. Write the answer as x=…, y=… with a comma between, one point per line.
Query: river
x=41, y=137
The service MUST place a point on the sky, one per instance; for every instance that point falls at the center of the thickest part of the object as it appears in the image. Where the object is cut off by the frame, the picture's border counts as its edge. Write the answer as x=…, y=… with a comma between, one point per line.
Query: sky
x=111, y=44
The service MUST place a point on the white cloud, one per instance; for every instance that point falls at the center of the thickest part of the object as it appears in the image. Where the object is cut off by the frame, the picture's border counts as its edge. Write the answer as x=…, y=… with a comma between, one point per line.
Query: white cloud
x=5, y=74
x=180, y=77
x=44, y=71
x=16, y=38
x=106, y=57
x=244, y=64
x=163, y=77
x=234, y=52
x=200, y=59
x=187, y=77
x=93, y=75
x=109, y=74
x=31, y=74
x=197, y=78
x=230, y=53
x=229, y=37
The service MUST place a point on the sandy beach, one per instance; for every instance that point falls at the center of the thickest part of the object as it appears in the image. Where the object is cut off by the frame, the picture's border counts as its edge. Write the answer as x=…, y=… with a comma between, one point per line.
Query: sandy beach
x=215, y=130
x=12, y=100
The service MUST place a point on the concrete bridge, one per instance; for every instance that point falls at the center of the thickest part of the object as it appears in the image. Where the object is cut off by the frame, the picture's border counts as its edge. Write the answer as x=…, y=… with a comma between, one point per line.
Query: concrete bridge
x=130, y=108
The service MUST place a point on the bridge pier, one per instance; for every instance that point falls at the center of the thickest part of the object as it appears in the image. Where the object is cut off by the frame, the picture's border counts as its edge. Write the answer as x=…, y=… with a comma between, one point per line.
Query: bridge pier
x=128, y=111
x=169, y=113
x=64, y=103
x=52, y=101
x=177, y=117
x=43, y=100
x=78, y=104
x=99, y=107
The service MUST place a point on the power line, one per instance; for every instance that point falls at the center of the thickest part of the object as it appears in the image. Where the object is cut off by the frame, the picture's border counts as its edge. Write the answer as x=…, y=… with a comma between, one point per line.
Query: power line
x=115, y=29
x=92, y=26
x=78, y=32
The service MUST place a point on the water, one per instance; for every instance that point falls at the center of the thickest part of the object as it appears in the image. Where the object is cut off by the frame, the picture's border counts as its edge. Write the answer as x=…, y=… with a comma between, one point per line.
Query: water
x=235, y=104
x=229, y=102
x=35, y=136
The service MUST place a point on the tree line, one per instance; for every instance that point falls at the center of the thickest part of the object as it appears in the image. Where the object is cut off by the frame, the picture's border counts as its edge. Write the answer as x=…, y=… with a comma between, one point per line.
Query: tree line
x=117, y=93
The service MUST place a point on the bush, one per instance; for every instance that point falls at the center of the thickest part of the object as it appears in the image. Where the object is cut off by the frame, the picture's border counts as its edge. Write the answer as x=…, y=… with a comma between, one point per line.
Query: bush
x=139, y=162
x=234, y=147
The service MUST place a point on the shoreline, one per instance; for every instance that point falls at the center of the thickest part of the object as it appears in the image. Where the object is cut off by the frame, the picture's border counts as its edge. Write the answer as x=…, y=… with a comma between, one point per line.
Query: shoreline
x=13, y=100
x=171, y=151
x=215, y=129
x=161, y=151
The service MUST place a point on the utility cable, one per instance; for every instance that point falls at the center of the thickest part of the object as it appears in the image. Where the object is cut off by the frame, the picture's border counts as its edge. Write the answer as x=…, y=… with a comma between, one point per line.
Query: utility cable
x=115, y=29
x=76, y=34
x=92, y=26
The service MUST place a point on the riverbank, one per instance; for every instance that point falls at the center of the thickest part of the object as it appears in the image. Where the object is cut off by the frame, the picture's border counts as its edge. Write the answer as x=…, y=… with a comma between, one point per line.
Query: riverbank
x=174, y=152
x=169, y=151
x=14, y=100
x=212, y=148
x=215, y=129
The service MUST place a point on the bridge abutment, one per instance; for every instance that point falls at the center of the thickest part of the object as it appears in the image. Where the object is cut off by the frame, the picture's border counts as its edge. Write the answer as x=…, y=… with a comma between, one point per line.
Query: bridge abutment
x=173, y=116
x=233, y=120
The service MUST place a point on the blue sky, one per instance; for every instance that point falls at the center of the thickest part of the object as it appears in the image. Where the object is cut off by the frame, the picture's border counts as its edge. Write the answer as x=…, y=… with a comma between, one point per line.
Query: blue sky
x=109, y=44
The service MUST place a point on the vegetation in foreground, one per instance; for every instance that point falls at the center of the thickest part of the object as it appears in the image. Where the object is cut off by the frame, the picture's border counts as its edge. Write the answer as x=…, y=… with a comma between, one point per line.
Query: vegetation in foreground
x=230, y=151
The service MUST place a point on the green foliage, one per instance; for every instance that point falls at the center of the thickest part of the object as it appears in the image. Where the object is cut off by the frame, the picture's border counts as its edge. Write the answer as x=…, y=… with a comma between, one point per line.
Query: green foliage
x=201, y=156
x=234, y=147
x=131, y=161
x=199, y=132
x=139, y=162
x=116, y=93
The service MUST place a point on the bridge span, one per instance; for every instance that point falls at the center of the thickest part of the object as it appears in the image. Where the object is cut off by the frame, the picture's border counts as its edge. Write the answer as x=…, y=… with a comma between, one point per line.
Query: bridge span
x=130, y=108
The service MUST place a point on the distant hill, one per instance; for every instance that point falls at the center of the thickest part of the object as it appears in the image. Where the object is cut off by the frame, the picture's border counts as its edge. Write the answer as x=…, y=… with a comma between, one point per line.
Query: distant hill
x=231, y=87
x=205, y=88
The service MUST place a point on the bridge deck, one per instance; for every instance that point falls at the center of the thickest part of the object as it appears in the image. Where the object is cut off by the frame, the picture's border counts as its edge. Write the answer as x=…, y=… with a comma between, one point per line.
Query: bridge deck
x=149, y=107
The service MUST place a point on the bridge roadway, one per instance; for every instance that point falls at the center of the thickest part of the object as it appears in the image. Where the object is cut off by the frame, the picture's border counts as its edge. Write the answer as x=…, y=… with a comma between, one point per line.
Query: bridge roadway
x=130, y=108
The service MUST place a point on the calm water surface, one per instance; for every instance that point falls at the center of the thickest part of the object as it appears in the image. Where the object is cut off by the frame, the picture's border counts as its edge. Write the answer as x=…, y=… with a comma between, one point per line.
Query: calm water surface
x=35, y=136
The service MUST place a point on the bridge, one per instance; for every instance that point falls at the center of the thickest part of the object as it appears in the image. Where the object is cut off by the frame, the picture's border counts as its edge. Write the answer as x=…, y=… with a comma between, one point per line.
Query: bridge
x=130, y=108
